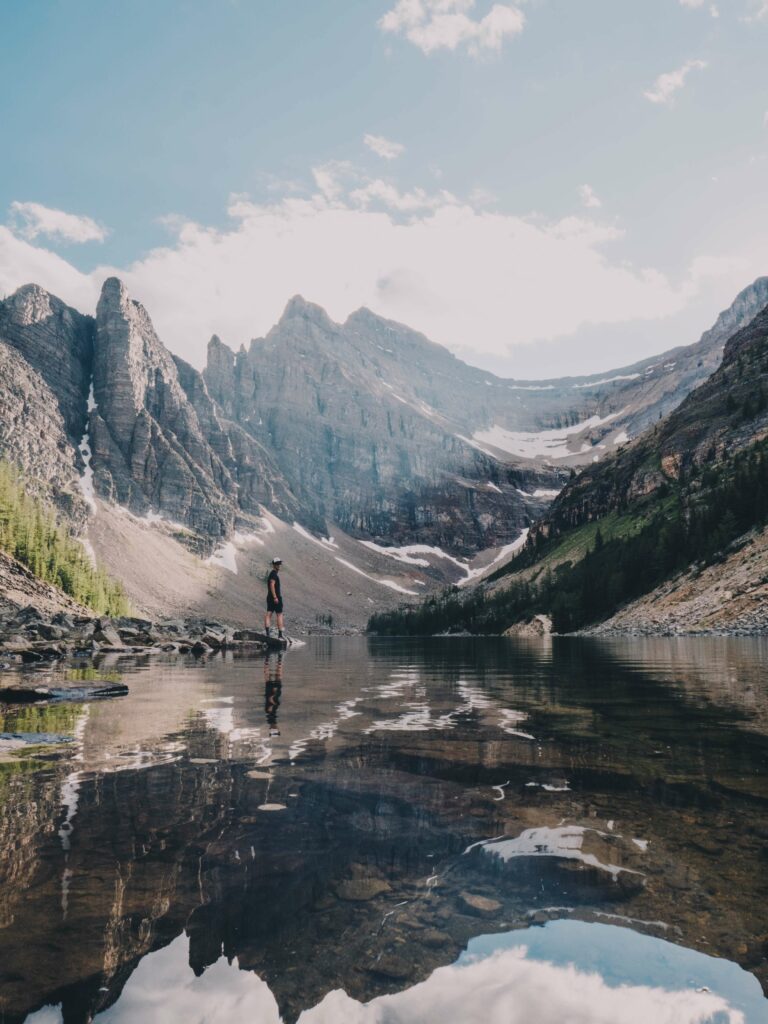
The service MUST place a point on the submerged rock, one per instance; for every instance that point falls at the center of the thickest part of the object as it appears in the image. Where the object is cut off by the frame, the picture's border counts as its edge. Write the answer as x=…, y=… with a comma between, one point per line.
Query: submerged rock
x=35, y=694
x=359, y=890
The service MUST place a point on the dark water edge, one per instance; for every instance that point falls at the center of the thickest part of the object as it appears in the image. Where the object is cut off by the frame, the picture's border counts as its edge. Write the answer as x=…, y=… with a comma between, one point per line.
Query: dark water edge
x=344, y=822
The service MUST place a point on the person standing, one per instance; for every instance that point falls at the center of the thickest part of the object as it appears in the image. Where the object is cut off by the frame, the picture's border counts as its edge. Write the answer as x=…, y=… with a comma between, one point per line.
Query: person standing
x=274, y=600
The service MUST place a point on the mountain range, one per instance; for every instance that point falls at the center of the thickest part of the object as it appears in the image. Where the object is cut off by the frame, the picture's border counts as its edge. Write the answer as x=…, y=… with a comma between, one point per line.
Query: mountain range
x=423, y=468
x=667, y=534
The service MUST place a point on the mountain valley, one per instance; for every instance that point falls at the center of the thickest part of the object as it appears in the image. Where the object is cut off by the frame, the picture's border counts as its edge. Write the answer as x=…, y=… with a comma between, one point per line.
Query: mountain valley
x=382, y=465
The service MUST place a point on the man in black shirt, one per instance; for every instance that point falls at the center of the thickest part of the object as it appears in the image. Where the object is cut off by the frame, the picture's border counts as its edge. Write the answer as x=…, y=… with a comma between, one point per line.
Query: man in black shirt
x=274, y=599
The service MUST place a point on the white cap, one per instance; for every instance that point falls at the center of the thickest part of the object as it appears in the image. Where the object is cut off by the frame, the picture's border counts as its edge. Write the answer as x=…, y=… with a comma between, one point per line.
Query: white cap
x=277, y=561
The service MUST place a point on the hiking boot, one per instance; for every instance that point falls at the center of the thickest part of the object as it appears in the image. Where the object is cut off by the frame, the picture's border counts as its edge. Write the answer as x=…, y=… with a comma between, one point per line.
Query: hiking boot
x=280, y=635
x=267, y=632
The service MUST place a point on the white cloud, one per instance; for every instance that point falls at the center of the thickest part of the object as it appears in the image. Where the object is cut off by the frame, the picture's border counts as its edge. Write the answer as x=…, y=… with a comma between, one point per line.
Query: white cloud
x=760, y=11
x=384, y=147
x=24, y=263
x=447, y=24
x=387, y=195
x=666, y=85
x=698, y=4
x=31, y=220
x=507, y=986
x=589, y=198
x=474, y=279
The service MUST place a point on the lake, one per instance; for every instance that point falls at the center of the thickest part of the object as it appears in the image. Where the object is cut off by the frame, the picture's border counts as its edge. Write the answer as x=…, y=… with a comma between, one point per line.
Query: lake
x=369, y=830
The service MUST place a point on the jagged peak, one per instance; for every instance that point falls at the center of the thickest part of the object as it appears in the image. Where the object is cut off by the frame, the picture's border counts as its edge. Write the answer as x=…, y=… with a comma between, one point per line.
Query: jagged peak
x=298, y=307
x=35, y=296
x=217, y=345
x=750, y=300
x=113, y=292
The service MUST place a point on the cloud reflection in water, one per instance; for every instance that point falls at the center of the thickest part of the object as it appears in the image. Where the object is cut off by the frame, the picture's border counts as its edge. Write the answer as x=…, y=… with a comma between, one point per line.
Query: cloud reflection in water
x=566, y=971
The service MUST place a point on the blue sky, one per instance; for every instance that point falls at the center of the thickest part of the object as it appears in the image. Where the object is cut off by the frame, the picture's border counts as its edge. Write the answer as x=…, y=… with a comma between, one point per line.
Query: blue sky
x=555, y=205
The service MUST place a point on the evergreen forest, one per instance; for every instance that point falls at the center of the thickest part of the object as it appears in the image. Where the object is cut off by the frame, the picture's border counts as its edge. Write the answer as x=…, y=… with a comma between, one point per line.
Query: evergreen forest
x=30, y=533
x=689, y=523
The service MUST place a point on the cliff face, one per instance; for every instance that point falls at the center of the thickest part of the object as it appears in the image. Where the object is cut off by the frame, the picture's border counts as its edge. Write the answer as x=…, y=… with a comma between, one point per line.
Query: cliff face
x=33, y=434
x=57, y=342
x=367, y=425
x=349, y=420
x=149, y=451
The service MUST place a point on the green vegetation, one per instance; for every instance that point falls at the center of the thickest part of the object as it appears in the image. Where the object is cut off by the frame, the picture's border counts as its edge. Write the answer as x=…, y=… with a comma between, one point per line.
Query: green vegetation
x=29, y=532
x=619, y=558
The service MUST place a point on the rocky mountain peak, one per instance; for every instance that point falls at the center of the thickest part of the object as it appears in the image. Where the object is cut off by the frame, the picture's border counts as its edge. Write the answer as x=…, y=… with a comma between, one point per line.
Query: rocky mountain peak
x=298, y=308
x=30, y=304
x=128, y=353
x=219, y=372
x=741, y=311
x=57, y=342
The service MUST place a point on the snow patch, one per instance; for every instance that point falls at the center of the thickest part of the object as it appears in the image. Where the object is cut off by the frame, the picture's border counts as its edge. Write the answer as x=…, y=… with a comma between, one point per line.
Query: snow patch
x=407, y=551
x=324, y=542
x=551, y=444
x=608, y=380
x=86, y=480
x=381, y=583
x=492, y=487
x=505, y=552
x=474, y=444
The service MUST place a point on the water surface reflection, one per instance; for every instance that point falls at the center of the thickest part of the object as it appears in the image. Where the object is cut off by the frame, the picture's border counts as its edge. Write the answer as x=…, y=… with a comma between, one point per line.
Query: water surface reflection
x=328, y=834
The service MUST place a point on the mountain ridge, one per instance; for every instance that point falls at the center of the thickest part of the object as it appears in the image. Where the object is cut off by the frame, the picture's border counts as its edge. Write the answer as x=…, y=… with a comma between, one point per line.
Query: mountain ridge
x=366, y=427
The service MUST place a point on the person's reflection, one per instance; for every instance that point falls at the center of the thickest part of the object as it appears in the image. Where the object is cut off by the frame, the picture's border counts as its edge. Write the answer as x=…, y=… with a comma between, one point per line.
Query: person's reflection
x=273, y=688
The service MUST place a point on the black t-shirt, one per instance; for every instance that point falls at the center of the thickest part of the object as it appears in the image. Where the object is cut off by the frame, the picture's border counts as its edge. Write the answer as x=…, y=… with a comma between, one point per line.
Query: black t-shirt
x=274, y=576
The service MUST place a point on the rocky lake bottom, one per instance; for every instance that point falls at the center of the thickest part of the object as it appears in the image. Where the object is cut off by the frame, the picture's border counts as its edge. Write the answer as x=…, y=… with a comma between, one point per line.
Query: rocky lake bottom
x=367, y=830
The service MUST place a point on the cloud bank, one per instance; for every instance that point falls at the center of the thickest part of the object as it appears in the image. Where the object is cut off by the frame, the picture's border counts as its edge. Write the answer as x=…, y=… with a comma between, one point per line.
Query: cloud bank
x=31, y=220
x=448, y=25
x=473, y=279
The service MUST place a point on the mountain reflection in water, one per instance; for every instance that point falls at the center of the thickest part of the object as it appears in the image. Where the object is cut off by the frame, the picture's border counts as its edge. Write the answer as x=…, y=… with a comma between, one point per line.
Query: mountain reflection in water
x=327, y=836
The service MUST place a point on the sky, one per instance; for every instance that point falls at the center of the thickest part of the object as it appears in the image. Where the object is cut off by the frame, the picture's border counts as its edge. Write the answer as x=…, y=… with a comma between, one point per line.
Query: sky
x=546, y=187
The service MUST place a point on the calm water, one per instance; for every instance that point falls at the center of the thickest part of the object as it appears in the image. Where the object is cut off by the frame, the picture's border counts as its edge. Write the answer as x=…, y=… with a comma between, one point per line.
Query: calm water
x=395, y=831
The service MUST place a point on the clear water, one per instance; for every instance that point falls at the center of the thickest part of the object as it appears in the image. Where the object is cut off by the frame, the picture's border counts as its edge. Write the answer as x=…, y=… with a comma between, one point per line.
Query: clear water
x=384, y=831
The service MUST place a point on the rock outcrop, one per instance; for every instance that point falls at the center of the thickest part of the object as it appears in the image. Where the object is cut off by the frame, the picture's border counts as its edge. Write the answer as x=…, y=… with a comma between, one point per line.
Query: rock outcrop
x=149, y=451
x=33, y=434
x=57, y=342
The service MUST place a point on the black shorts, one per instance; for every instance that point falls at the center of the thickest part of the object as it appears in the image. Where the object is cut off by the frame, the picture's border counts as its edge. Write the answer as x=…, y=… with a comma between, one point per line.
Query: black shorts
x=275, y=606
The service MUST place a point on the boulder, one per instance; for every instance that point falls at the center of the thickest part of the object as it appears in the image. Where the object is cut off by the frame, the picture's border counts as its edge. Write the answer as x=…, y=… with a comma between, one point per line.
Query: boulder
x=47, y=631
x=64, y=620
x=107, y=634
x=27, y=615
x=478, y=906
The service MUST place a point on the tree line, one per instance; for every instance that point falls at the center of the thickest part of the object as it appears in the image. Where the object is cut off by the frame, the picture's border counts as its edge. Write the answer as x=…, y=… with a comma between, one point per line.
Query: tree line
x=30, y=533
x=690, y=522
